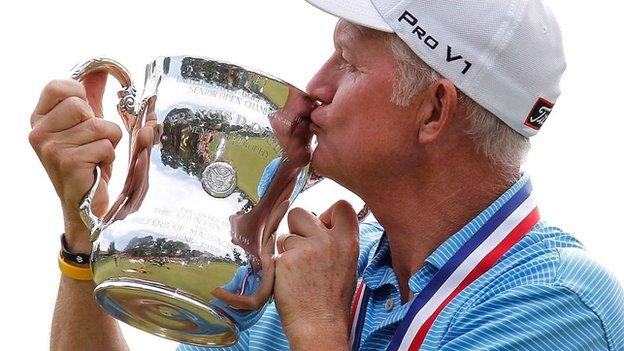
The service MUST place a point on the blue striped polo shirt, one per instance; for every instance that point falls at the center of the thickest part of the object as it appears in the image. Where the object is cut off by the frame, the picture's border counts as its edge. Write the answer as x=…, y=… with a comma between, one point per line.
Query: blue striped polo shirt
x=546, y=293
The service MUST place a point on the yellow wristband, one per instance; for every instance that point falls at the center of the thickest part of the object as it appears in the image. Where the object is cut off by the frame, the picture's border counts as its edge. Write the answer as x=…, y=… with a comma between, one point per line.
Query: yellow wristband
x=74, y=272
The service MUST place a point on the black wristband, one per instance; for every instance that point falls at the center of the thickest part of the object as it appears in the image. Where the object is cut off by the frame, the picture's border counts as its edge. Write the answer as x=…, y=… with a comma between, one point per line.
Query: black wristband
x=69, y=256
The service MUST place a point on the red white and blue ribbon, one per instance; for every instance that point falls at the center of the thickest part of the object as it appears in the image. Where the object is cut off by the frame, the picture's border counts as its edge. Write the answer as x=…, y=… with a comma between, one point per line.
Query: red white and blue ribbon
x=480, y=253
x=358, y=313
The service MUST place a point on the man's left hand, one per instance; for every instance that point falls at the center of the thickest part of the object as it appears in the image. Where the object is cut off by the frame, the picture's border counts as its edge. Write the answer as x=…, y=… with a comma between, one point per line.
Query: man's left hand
x=315, y=277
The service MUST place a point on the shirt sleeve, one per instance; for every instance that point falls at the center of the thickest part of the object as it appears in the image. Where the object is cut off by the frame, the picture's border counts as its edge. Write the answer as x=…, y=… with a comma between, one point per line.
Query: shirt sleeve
x=528, y=318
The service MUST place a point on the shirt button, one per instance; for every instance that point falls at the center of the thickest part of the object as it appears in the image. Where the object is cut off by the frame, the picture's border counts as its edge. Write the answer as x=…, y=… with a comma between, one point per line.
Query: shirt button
x=389, y=304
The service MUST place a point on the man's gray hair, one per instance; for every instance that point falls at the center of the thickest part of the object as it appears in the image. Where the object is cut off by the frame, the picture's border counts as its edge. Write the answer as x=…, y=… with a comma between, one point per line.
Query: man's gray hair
x=503, y=146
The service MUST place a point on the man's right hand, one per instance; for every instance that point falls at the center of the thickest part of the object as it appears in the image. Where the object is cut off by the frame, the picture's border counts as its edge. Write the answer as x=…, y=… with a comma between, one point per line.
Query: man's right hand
x=70, y=142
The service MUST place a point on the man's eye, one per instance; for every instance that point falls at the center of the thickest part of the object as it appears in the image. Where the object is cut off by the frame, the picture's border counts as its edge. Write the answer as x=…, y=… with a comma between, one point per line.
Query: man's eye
x=346, y=66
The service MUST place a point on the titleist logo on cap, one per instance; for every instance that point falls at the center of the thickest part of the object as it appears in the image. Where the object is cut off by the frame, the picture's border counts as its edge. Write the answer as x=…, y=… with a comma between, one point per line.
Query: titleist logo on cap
x=539, y=114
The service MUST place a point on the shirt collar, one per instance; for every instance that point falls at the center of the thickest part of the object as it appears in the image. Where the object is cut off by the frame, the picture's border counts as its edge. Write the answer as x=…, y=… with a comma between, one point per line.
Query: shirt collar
x=379, y=271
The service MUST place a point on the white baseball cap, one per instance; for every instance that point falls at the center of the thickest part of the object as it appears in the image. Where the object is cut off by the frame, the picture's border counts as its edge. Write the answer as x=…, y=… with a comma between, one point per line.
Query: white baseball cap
x=507, y=55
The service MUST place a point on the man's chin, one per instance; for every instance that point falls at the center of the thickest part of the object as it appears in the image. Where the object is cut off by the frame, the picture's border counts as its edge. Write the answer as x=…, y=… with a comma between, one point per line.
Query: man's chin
x=324, y=166
x=319, y=163
x=316, y=162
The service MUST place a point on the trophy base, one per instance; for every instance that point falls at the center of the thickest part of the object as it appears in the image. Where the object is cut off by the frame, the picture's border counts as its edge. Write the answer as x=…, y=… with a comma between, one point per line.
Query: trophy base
x=165, y=312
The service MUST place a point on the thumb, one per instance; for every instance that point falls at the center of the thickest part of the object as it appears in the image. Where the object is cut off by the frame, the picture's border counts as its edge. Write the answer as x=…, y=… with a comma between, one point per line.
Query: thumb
x=341, y=217
x=94, y=84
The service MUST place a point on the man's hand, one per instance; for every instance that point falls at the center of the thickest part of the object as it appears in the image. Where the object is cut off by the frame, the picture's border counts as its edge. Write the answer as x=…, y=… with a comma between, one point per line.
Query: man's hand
x=70, y=141
x=291, y=125
x=315, y=277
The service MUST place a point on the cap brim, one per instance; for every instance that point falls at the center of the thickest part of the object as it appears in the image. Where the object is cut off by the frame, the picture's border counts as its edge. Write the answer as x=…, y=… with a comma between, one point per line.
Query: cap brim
x=361, y=12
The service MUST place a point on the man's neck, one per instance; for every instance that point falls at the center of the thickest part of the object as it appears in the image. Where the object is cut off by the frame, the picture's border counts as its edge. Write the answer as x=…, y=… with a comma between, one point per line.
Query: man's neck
x=423, y=212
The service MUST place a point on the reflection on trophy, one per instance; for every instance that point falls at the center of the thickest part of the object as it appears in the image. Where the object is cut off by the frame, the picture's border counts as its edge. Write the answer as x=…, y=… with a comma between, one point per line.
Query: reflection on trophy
x=217, y=155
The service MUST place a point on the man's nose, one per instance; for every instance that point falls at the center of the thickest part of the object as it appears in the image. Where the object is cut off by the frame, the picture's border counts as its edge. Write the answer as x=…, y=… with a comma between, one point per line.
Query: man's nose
x=321, y=87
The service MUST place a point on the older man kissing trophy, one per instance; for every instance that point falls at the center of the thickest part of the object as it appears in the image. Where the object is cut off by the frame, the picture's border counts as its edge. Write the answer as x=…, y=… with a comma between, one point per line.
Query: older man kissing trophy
x=426, y=110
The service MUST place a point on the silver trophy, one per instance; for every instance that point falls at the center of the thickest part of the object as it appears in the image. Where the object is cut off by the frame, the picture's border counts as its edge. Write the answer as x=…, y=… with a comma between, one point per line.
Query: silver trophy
x=217, y=154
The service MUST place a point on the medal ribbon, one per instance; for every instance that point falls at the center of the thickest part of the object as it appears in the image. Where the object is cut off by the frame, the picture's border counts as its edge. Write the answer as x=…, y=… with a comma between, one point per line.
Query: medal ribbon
x=501, y=232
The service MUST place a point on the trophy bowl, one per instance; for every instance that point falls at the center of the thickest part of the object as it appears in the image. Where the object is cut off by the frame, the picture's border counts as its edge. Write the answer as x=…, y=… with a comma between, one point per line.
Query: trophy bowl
x=217, y=154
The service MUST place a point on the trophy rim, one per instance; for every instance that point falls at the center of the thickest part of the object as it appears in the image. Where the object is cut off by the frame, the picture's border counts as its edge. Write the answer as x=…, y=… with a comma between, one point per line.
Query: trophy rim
x=230, y=63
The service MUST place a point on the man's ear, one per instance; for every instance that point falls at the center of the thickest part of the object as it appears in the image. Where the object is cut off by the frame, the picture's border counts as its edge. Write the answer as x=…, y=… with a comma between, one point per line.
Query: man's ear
x=436, y=110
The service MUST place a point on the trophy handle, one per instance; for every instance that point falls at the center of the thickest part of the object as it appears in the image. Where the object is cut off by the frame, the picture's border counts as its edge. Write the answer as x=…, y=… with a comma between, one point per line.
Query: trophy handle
x=128, y=111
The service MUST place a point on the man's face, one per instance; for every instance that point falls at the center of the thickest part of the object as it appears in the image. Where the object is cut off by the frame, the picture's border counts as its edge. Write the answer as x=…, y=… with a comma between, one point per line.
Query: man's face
x=361, y=133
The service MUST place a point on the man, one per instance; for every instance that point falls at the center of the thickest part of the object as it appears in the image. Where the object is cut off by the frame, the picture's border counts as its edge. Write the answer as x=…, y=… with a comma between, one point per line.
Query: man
x=429, y=126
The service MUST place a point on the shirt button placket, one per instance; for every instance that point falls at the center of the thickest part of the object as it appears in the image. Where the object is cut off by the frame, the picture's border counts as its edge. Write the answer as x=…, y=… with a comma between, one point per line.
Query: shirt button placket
x=389, y=304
